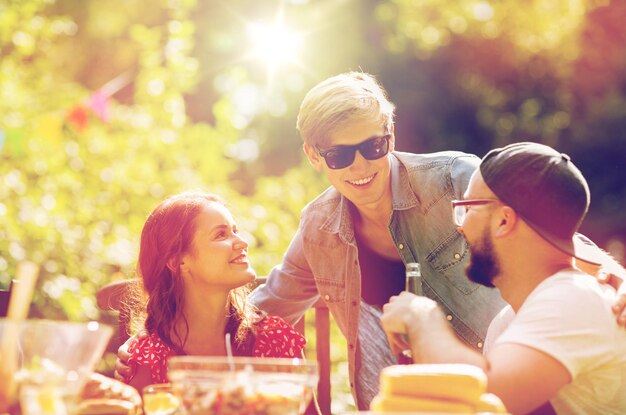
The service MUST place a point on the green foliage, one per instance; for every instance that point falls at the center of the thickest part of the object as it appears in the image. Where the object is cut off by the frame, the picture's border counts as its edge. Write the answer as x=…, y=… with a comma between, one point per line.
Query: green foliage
x=491, y=73
x=77, y=188
x=190, y=107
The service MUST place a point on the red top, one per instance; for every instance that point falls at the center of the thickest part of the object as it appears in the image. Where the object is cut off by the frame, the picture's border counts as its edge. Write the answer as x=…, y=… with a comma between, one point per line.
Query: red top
x=274, y=337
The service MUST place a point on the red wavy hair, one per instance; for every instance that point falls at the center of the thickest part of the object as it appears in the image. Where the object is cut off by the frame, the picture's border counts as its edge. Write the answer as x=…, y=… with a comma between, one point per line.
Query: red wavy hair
x=168, y=234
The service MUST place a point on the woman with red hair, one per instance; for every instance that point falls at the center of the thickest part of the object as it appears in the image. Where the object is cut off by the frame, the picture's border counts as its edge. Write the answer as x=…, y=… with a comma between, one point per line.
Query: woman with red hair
x=196, y=275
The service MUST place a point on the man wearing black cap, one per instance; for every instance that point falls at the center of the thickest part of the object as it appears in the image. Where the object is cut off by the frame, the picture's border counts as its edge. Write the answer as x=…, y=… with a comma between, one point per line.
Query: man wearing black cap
x=520, y=215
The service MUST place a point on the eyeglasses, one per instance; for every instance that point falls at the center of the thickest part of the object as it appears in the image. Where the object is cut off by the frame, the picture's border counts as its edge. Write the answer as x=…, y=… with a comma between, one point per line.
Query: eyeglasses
x=340, y=157
x=461, y=207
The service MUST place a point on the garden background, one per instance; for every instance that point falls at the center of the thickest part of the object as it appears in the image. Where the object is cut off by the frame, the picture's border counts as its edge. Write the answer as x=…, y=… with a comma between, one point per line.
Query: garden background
x=106, y=107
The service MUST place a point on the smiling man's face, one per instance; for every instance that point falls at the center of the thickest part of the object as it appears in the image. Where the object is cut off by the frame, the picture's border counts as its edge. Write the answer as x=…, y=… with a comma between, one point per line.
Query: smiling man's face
x=365, y=182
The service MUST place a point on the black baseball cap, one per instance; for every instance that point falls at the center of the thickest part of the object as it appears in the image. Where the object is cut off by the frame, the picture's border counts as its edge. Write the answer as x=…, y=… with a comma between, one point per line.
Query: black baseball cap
x=546, y=189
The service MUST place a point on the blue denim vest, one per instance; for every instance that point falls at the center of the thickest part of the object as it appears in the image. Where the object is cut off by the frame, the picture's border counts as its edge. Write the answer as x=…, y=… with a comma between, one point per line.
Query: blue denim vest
x=322, y=259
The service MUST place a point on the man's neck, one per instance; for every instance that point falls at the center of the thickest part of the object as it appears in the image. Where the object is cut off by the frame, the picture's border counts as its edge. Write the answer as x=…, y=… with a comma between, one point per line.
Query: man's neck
x=377, y=213
x=517, y=283
x=372, y=215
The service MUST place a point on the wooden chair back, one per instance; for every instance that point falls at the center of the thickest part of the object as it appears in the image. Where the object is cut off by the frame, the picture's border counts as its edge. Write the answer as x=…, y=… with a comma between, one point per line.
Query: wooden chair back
x=5, y=296
x=115, y=297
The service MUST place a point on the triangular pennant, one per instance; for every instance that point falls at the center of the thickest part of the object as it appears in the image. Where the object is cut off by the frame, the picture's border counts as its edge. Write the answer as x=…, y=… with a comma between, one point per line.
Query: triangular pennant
x=78, y=117
x=49, y=127
x=14, y=142
x=99, y=104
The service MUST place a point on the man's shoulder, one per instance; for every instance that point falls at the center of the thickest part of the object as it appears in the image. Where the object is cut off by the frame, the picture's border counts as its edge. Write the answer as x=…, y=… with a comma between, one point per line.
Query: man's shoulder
x=444, y=168
x=434, y=175
x=567, y=290
x=434, y=160
x=573, y=281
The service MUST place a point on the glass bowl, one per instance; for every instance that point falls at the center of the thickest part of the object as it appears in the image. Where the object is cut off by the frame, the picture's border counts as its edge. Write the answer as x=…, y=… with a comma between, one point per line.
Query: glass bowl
x=50, y=361
x=242, y=385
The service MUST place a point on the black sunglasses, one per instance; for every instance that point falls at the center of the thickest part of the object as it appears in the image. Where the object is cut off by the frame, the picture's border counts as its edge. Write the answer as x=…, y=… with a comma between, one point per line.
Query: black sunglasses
x=341, y=157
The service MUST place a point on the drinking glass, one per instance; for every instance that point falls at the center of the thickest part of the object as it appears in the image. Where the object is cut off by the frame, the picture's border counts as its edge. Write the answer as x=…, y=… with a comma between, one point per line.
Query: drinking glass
x=159, y=399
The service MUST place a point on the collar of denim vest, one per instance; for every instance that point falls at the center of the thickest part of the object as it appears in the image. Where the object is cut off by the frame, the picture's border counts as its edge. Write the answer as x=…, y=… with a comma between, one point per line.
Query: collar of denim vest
x=403, y=197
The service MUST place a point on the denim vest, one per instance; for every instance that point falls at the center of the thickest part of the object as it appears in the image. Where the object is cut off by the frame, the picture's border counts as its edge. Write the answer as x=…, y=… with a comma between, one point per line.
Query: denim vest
x=322, y=259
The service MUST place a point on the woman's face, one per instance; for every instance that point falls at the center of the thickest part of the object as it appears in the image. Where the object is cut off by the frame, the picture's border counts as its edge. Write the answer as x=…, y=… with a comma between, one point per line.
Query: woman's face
x=218, y=256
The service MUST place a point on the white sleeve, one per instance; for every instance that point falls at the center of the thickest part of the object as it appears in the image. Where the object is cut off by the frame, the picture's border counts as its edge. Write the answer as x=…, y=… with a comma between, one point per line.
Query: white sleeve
x=497, y=326
x=566, y=321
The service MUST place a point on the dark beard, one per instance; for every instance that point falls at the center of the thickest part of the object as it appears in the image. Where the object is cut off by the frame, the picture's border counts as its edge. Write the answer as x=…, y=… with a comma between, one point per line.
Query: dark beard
x=483, y=266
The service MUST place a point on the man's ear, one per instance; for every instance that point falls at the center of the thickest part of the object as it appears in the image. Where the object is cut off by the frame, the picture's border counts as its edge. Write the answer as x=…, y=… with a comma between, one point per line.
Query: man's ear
x=507, y=220
x=315, y=159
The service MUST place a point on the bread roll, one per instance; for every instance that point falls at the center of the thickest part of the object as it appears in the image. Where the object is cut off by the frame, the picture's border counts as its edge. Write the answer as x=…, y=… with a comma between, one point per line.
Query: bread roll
x=106, y=407
x=100, y=391
x=452, y=382
x=415, y=404
x=490, y=403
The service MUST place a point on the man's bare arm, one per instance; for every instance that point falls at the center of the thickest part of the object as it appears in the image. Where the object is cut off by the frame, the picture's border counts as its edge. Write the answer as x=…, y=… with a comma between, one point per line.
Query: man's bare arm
x=524, y=378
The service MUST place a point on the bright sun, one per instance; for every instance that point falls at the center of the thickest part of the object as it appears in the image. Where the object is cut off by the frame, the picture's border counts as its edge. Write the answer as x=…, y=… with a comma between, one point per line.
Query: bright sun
x=274, y=44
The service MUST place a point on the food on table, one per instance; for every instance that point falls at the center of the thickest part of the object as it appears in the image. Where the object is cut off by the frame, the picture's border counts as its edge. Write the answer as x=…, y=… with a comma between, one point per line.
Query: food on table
x=490, y=403
x=447, y=381
x=446, y=388
x=106, y=407
x=244, y=393
x=160, y=403
x=405, y=404
x=103, y=394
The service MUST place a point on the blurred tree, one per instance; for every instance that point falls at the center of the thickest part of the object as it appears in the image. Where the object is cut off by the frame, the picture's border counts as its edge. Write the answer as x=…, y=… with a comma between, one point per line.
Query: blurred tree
x=82, y=169
x=472, y=75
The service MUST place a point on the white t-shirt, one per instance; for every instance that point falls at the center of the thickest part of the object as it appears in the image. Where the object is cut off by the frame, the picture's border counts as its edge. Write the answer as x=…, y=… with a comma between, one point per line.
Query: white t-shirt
x=497, y=326
x=568, y=316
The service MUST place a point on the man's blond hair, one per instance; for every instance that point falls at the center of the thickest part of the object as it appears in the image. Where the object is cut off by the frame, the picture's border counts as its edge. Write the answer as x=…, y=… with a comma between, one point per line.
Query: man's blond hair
x=344, y=98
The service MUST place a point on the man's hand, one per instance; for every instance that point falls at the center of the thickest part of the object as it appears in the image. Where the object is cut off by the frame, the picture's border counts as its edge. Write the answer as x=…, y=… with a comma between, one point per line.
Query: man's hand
x=429, y=333
x=124, y=372
x=619, y=308
x=399, y=312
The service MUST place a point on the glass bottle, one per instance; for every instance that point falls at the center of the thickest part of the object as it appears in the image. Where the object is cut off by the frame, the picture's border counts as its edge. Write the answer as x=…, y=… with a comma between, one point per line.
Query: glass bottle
x=413, y=278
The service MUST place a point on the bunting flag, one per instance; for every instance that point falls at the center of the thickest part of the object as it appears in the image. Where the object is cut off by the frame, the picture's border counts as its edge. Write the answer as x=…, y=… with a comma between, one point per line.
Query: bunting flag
x=50, y=127
x=99, y=104
x=78, y=117
x=14, y=141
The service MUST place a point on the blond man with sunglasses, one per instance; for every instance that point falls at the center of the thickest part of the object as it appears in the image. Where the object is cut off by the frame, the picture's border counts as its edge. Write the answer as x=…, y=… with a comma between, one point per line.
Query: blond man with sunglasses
x=384, y=209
